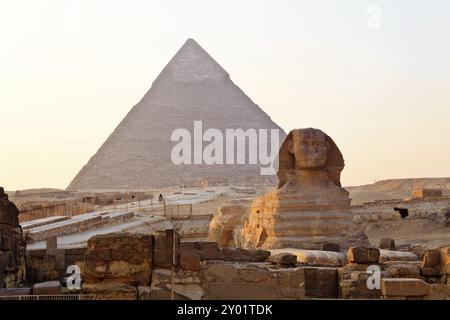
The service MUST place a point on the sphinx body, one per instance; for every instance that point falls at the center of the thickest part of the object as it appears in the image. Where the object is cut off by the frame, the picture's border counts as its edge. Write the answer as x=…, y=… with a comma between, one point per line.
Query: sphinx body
x=309, y=207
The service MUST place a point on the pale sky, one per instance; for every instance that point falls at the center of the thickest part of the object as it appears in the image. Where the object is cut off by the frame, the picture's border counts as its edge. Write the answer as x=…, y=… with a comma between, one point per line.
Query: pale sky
x=71, y=70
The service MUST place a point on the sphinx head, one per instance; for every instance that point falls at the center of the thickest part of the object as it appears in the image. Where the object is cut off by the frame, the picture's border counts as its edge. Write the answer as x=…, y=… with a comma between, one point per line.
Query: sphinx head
x=310, y=150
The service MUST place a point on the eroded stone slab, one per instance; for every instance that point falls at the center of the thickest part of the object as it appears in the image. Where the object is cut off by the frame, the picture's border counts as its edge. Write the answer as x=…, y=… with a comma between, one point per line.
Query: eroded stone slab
x=315, y=257
x=390, y=255
x=47, y=288
x=404, y=288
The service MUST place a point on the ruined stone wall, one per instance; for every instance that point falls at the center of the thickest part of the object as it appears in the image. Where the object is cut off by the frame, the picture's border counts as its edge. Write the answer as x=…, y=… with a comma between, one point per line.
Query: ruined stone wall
x=434, y=209
x=12, y=244
x=130, y=266
x=206, y=272
x=48, y=265
x=31, y=211
x=77, y=227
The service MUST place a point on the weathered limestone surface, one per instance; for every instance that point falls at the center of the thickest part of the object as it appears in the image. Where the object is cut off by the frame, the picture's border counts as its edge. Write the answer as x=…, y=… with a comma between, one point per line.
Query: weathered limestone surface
x=220, y=279
x=403, y=269
x=354, y=285
x=115, y=257
x=283, y=259
x=445, y=261
x=163, y=249
x=309, y=207
x=363, y=254
x=255, y=281
x=47, y=265
x=15, y=291
x=424, y=193
x=211, y=251
x=406, y=288
x=389, y=255
x=315, y=257
x=187, y=285
x=12, y=244
x=439, y=292
x=387, y=243
x=227, y=221
x=190, y=261
x=47, y=288
x=111, y=291
x=321, y=282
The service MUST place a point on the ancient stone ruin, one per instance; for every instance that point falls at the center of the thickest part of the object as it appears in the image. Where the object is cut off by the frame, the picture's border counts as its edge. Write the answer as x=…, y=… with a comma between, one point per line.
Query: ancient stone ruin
x=193, y=86
x=12, y=244
x=308, y=209
x=159, y=266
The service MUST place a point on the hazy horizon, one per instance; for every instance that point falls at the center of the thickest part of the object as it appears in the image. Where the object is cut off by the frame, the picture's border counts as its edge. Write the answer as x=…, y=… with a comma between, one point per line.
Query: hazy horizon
x=71, y=71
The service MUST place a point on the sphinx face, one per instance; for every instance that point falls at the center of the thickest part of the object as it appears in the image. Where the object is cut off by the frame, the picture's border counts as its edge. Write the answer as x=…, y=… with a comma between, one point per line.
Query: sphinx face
x=310, y=148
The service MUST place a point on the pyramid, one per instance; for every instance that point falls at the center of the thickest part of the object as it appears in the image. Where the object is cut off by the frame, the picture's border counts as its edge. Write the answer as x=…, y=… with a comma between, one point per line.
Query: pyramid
x=192, y=87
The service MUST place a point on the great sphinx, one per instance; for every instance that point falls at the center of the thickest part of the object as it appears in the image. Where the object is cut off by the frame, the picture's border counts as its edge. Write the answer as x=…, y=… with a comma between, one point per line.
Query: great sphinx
x=309, y=207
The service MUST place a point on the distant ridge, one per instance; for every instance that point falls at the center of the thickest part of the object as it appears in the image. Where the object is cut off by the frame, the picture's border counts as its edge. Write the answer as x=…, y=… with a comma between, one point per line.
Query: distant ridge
x=396, y=188
x=407, y=184
x=193, y=86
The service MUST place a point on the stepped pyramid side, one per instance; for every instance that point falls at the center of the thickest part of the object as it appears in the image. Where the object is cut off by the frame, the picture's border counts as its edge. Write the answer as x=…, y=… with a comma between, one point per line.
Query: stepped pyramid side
x=193, y=86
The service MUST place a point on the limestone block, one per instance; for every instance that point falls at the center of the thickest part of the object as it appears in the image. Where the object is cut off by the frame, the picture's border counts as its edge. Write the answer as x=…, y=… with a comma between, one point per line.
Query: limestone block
x=187, y=285
x=12, y=244
x=334, y=247
x=225, y=221
x=387, y=243
x=439, y=292
x=211, y=251
x=445, y=260
x=190, y=262
x=321, y=282
x=430, y=272
x=354, y=284
x=288, y=278
x=218, y=271
x=403, y=269
x=283, y=259
x=205, y=250
x=111, y=291
x=363, y=254
x=404, y=288
x=241, y=291
x=389, y=255
x=242, y=255
x=47, y=288
x=143, y=292
x=163, y=249
x=253, y=274
x=315, y=257
x=118, y=257
x=15, y=292
x=431, y=259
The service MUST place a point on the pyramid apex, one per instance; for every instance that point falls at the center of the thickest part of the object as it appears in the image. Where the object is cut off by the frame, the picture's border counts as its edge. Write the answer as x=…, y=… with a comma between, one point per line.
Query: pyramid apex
x=191, y=40
x=192, y=64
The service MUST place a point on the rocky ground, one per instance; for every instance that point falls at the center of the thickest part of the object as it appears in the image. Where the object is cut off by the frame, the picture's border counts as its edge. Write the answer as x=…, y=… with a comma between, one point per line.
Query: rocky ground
x=423, y=232
x=416, y=232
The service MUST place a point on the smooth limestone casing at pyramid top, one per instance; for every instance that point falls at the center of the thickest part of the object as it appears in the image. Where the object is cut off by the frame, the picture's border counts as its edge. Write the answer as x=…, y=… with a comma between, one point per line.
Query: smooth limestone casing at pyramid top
x=137, y=155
